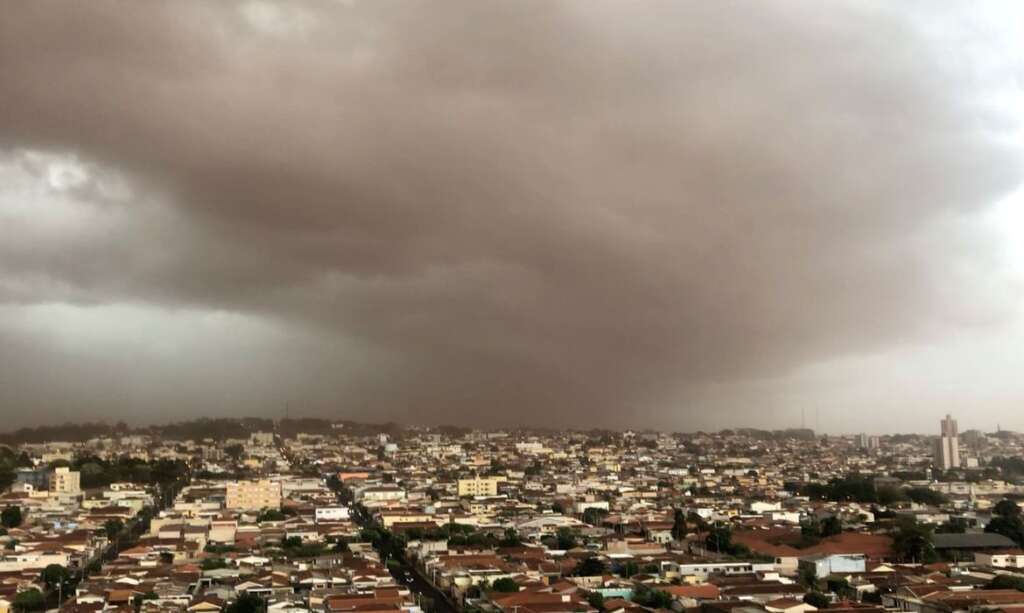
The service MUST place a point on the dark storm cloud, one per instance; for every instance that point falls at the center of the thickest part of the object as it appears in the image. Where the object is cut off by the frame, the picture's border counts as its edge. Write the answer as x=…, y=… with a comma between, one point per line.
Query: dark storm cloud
x=513, y=212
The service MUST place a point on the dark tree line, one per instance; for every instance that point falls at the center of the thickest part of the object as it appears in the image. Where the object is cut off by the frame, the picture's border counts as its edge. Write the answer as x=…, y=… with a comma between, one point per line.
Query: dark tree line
x=862, y=488
x=97, y=472
x=198, y=429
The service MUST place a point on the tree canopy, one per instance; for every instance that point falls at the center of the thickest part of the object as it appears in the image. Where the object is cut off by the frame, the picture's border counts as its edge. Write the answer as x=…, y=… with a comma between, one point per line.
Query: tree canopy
x=912, y=542
x=11, y=517
x=505, y=585
x=29, y=600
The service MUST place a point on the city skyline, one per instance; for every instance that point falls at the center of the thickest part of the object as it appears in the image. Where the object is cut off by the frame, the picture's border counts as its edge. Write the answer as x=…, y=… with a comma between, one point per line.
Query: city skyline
x=302, y=516
x=91, y=429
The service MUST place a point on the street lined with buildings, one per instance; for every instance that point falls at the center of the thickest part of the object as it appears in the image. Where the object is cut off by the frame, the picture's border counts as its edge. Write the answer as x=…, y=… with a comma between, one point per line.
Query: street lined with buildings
x=342, y=517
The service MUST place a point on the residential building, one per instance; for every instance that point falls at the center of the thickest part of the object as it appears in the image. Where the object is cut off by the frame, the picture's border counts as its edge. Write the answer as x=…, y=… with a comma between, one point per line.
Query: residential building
x=65, y=481
x=947, y=447
x=253, y=495
x=826, y=564
x=262, y=439
x=479, y=486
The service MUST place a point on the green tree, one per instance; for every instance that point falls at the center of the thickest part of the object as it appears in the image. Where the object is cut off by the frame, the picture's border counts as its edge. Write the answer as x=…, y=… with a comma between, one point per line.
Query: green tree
x=29, y=600
x=912, y=542
x=1007, y=582
x=817, y=600
x=887, y=495
x=810, y=532
x=113, y=528
x=246, y=603
x=93, y=474
x=654, y=599
x=596, y=600
x=679, y=527
x=1012, y=527
x=719, y=539
x=840, y=586
x=505, y=585
x=54, y=576
x=594, y=515
x=566, y=538
x=1006, y=508
x=808, y=578
x=591, y=566
x=831, y=526
x=11, y=517
x=213, y=563
x=511, y=538
x=955, y=525
x=924, y=495
x=270, y=515
x=7, y=478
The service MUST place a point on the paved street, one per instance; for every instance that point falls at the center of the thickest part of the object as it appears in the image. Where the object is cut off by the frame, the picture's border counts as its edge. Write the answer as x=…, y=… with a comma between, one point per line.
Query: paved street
x=409, y=576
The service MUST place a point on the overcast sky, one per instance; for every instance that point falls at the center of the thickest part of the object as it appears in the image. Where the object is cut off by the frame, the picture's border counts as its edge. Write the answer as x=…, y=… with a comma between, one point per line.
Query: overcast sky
x=683, y=215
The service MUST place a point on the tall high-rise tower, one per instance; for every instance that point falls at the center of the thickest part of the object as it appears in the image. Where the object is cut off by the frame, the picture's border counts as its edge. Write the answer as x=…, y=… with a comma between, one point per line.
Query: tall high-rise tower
x=947, y=448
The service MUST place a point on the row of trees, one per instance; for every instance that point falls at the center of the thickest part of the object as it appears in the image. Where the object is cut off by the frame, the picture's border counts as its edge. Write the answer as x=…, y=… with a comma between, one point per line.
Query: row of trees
x=62, y=432
x=813, y=530
x=10, y=461
x=862, y=488
x=457, y=535
x=912, y=541
x=719, y=540
x=219, y=429
x=99, y=472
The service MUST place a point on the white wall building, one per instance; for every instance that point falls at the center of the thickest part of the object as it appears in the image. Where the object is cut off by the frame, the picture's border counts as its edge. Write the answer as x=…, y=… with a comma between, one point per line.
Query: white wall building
x=331, y=513
x=65, y=481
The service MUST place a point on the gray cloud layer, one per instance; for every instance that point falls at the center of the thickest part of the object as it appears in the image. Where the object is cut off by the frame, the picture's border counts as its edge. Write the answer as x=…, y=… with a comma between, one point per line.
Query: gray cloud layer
x=526, y=212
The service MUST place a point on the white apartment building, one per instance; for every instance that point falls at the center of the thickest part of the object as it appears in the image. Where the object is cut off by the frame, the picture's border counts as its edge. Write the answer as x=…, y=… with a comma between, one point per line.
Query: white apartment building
x=253, y=495
x=480, y=487
x=380, y=493
x=1013, y=558
x=65, y=481
x=262, y=439
x=32, y=560
x=331, y=514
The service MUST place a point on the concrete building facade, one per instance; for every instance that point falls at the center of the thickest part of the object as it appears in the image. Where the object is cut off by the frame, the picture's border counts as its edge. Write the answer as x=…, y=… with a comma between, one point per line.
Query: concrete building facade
x=65, y=481
x=947, y=448
x=253, y=495
x=479, y=487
